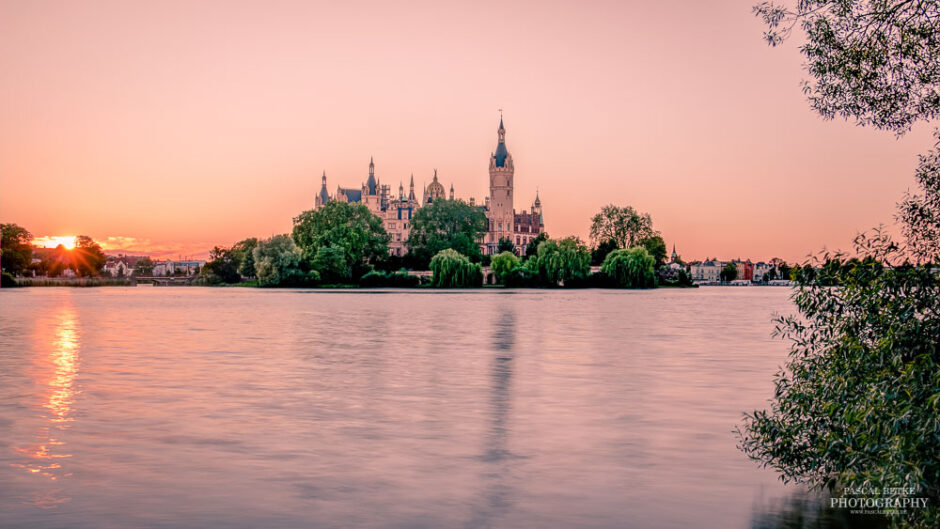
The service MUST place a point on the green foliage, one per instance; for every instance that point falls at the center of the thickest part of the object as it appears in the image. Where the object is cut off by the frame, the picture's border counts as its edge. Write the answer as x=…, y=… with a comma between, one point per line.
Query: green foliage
x=244, y=254
x=277, y=263
x=452, y=269
x=503, y=264
x=858, y=401
x=7, y=280
x=330, y=263
x=16, y=252
x=875, y=61
x=624, y=226
x=379, y=278
x=505, y=245
x=729, y=272
x=599, y=253
x=446, y=224
x=533, y=247
x=222, y=266
x=920, y=213
x=598, y=279
x=561, y=261
x=656, y=247
x=631, y=268
x=350, y=227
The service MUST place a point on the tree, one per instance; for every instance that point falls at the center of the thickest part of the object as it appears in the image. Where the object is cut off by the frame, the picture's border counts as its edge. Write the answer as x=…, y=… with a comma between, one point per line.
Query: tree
x=505, y=245
x=350, y=227
x=244, y=255
x=451, y=269
x=624, y=226
x=656, y=247
x=533, y=247
x=143, y=267
x=222, y=266
x=330, y=263
x=857, y=402
x=87, y=259
x=16, y=250
x=631, y=268
x=277, y=263
x=446, y=224
x=729, y=272
x=560, y=261
x=503, y=265
x=877, y=62
x=599, y=253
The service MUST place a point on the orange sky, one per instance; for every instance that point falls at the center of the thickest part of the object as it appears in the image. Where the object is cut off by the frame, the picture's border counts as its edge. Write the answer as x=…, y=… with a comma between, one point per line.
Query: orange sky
x=174, y=126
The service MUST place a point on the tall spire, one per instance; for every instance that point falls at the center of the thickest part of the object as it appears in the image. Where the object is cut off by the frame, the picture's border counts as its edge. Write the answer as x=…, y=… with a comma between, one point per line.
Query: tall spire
x=411, y=189
x=501, y=151
x=371, y=183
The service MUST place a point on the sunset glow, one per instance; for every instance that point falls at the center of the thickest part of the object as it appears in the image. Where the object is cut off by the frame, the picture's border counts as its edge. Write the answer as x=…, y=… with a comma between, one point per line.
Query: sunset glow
x=68, y=241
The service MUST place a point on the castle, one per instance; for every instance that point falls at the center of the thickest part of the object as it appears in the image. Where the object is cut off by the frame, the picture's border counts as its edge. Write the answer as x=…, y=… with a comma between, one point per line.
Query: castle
x=396, y=211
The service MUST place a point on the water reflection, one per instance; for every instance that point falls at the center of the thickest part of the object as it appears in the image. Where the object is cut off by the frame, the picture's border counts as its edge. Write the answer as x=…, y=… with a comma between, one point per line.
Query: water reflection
x=496, y=496
x=804, y=510
x=56, y=375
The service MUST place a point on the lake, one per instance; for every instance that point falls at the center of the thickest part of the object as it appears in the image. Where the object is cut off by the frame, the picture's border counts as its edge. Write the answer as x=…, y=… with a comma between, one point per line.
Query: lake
x=238, y=407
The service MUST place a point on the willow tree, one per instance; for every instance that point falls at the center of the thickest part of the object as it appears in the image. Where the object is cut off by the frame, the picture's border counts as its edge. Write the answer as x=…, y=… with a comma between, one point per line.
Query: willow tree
x=632, y=268
x=451, y=269
x=858, y=401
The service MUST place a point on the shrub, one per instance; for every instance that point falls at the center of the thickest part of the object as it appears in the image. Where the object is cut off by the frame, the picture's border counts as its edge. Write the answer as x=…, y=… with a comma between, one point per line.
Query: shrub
x=631, y=268
x=379, y=278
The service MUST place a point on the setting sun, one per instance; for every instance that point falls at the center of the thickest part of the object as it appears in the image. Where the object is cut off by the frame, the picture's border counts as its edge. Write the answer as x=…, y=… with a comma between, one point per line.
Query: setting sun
x=68, y=241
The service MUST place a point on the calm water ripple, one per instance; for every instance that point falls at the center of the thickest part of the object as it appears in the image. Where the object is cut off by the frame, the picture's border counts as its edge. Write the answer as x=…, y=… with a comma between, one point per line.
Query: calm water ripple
x=193, y=407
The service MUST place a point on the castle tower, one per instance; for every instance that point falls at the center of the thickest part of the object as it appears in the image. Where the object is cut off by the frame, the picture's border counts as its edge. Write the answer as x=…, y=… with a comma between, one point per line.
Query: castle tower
x=323, y=196
x=451, y=191
x=411, y=190
x=500, y=207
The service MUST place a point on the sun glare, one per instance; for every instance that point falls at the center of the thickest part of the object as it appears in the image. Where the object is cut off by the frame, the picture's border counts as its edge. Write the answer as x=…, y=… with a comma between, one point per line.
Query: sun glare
x=68, y=241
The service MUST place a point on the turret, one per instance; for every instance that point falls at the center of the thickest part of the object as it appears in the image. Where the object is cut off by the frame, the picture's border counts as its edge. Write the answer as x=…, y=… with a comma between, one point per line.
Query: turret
x=323, y=196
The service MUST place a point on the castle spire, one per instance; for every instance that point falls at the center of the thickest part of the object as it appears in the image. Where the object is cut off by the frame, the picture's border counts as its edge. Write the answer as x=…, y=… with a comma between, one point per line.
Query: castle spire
x=499, y=157
x=371, y=183
x=411, y=189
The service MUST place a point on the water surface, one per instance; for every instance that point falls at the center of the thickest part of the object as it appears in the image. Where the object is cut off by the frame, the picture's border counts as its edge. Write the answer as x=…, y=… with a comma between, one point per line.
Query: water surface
x=202, y=407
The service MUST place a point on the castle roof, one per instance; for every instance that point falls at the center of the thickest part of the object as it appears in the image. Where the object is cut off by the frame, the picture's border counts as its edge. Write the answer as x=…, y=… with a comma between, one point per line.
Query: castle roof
x=352, y=195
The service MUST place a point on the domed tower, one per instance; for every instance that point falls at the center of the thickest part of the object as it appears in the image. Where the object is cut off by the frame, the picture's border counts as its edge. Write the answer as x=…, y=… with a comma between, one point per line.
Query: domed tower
x=500, y=207
x=435, y=190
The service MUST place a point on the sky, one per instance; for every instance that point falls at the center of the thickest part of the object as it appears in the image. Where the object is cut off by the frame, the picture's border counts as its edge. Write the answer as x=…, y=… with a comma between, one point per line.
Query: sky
x=170, y=127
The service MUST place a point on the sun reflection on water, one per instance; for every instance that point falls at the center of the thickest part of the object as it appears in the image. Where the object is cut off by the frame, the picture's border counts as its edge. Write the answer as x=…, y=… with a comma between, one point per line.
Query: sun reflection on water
x=57, y=378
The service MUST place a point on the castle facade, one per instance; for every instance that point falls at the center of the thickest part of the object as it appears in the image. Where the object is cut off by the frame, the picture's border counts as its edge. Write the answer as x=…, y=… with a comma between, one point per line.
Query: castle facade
x=396, y=211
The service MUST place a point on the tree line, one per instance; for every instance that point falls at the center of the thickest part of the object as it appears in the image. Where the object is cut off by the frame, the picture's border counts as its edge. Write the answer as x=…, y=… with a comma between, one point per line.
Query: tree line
x=345, y=243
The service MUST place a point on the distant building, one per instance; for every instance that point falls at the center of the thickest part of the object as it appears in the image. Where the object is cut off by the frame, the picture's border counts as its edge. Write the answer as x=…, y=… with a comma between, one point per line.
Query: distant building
x=706, y=272
x=118, y=268
x=762, y=269
x=745, y=269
